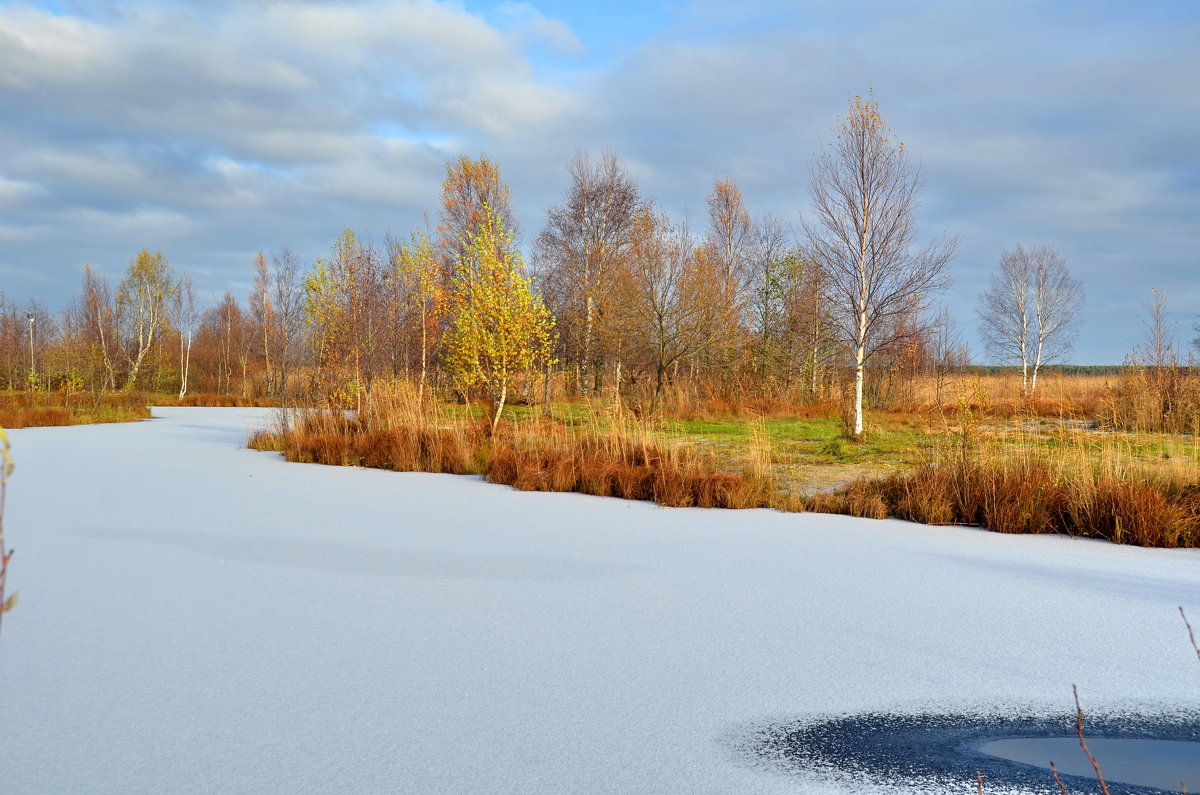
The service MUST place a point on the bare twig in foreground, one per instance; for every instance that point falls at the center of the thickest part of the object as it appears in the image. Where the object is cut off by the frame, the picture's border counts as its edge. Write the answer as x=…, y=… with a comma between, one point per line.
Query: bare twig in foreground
x=1083, y=743
x=1191, y=634
x=1057, y=780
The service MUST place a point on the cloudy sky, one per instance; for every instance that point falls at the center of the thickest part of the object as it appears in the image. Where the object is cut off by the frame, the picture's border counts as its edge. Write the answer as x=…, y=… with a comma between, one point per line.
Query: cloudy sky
x=211, y=130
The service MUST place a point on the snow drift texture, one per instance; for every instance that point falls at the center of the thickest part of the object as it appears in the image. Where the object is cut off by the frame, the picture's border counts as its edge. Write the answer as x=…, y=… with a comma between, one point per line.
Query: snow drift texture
x=197, y=617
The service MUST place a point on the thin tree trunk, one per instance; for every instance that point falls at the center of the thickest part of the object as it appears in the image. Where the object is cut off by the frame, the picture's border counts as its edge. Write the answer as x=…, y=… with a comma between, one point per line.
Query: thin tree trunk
x=858, y=391
x=185, y=356
x=1037, y=364
x=587, y=345
x=424, y=353
x=617, y=388
x=860, y=348
x=499, y=407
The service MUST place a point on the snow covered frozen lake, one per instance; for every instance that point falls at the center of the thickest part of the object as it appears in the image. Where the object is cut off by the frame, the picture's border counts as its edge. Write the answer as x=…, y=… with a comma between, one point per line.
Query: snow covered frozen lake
x=199, y=617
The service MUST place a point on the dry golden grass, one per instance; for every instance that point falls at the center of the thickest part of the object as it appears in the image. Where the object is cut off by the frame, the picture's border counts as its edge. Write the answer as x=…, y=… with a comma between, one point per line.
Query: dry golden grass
x=33, y=417
x=34, y=409
x=1013, y=467
x=38, y=409
x=621, y=463
x=620, y=458
x=1103, y=493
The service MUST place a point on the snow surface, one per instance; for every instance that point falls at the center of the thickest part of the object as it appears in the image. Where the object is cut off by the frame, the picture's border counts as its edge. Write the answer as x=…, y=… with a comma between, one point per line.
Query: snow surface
x=199, y=617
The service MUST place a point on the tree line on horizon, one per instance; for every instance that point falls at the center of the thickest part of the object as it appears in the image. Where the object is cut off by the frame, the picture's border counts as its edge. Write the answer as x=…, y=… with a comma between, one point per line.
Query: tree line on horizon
x=618, y=299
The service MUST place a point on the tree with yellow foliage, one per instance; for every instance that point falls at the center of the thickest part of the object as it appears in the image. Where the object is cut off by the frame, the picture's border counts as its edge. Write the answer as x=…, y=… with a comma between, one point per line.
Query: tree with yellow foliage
x=143, y=300
x=472, y=190
x=415, y=268
x=499, y=327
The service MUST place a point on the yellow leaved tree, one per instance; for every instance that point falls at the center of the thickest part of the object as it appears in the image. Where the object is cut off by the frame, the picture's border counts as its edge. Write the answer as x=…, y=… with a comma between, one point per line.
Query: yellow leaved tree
x=499, y=327
x=415, y=269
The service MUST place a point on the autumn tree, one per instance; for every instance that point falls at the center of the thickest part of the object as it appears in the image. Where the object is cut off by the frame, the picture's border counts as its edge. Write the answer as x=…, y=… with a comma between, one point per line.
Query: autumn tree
x=665, y=308
x=949, y=352
x=262, y=313
x=498, y=327
x=863, y=235
x=731, y=229
x=581, y=251
x=419, y=286
x=732, y=235
x=810, y=325
x=224, y=327
x=1028, y=313
x=341, y=303
x=12, y=330
x=772, y=272
x=288, y=297
x=471, y=191
x=1159, y=374
x=143, y=302
x=99, y=317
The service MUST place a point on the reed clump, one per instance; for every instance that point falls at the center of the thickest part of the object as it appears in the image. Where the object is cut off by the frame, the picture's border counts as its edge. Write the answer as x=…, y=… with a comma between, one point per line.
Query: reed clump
x=1104, y=496
x=404, y=431
x=30, y=409
x=34, y=417
x=327, y=437
x=619, y=462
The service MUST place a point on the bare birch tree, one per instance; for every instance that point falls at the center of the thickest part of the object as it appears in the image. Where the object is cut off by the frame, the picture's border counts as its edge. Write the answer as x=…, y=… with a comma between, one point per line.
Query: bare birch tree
x=185, y=317
x=1027, y=314
x=262, y=310
x=289, y=313
x=863, y=237
x=665, y=312
x=581, y=248
x=143, y=302
x=731, y=229
x=731, y=240
x=100, y=319
x=1057, y=299
x=772, y=272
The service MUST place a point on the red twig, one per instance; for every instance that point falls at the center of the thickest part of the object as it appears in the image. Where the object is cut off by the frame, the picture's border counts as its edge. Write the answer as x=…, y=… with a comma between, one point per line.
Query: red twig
x=1057, y=780
x=1083, y=743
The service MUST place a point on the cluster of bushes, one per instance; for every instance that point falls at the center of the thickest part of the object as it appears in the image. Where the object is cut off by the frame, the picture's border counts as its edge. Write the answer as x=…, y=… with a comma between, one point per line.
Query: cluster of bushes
x=1027, y=495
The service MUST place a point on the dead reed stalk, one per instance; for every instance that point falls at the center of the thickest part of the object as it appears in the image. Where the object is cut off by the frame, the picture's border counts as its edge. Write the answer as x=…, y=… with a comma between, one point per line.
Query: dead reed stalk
x=1083, y=743
x=1191, y=634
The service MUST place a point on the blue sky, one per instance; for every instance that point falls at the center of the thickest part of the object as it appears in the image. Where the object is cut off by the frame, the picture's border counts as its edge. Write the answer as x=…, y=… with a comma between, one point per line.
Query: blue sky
x=211, y=130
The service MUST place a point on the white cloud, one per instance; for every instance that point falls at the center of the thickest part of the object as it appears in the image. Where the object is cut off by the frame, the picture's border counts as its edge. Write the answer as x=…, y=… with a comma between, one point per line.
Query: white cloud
x=230, y=126
x=536, y=28
x=15, y=192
